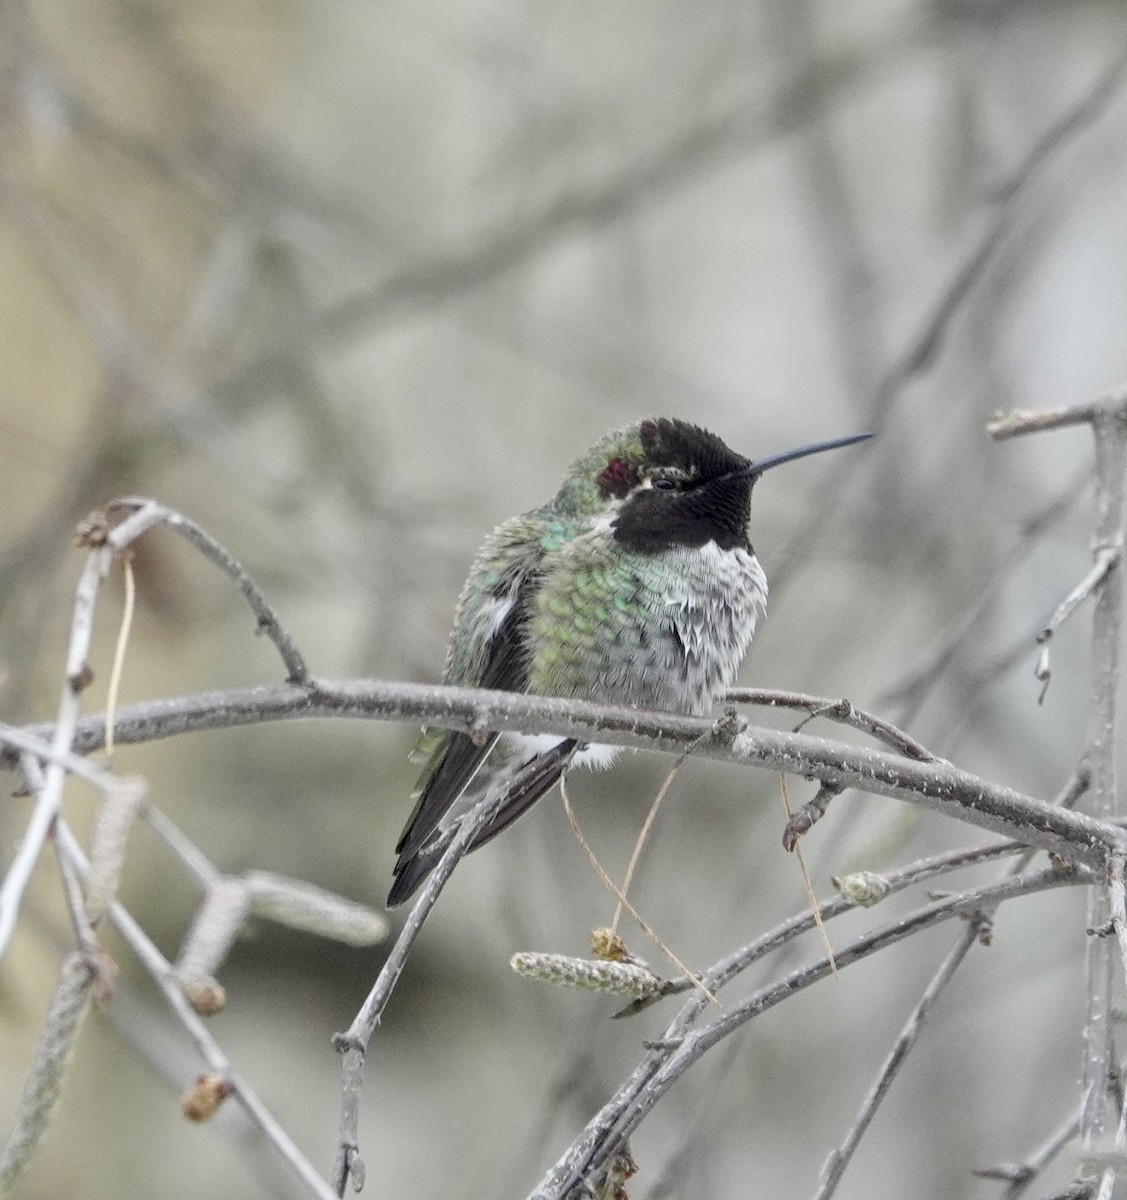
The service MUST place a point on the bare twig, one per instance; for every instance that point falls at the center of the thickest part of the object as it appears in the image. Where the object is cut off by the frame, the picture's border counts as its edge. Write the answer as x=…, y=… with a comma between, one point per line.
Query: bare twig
x=353, y=1044
x=926, y=341
x=933, y=784
x=1107, y=417
x=104, y=543
x=909, y=1035
x=17, y=744
x=76, y=676
x=1021, y=1176
x=680, y=1046
x=1107, y=557
x=807, y=886
x=842, y=711
x=173, y=837
x=266, y=617
x=794, y=927
x=100, y=879
x=84, y=935
x=1004, y=426
x=86, y=971
x=1117, y=903
x=910, y=691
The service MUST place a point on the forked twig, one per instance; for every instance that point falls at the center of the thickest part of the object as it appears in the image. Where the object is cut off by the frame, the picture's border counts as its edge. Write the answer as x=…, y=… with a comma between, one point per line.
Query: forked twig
x=808, y=887
x=1107, y=418
x=842, y=711
x=976, y=928
x=1107, y=557
x=680, y=1045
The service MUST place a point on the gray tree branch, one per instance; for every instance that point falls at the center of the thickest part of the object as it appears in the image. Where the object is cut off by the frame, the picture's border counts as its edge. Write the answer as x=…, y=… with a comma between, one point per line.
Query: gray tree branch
x=935, y=785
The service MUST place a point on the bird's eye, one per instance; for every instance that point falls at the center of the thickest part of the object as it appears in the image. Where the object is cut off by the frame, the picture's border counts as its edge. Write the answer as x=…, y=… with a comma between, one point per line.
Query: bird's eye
x=664, y=484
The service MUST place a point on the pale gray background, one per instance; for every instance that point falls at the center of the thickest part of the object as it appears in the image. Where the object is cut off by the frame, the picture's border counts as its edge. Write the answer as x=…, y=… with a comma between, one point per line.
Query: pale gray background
x=350, y=282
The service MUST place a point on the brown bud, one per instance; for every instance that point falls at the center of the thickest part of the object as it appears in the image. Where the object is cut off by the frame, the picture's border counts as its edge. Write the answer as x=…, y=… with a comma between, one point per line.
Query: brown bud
x=206, y=996
x=93, y=531
x=202, y=1100
x=82, y=678
x=609, y=946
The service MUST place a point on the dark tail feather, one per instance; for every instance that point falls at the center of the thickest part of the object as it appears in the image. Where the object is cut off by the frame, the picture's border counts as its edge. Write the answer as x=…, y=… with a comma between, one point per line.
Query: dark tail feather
x=409, y=875
x=534, y=779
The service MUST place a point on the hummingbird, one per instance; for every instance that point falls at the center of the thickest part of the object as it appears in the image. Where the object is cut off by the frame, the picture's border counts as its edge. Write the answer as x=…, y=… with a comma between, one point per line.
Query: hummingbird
x=636, y=584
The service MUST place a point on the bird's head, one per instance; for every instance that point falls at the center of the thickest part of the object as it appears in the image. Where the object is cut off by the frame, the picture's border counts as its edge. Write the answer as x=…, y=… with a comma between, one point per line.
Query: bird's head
x=662, y=482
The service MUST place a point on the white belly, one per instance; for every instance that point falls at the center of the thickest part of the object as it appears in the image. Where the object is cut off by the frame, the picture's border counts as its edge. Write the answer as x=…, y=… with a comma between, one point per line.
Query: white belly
x=596, y=755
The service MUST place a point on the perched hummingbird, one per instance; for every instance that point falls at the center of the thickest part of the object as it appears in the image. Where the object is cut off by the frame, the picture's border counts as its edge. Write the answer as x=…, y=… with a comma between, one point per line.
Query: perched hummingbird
x=636, y=584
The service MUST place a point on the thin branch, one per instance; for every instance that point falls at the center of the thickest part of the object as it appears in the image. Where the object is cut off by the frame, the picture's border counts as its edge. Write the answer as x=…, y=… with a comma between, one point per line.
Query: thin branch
x=206, y=873
x=842, y=711
x=679, y=1047
x=1021, y=1176
x=909, y=1035
x=266, y=617
x=1004, y=426
x=1117, y=904
x=16, y=743
x=912, y=689
x=583, y=206
x=86, y=971
x=936, y=785
x=83, y=927
x=353, y=1043
x=1107, y=417
x=76, y=676
x=1107, y=557
x=1110, y=433
x=794, y=927
x=161, y=970
x=927, y=340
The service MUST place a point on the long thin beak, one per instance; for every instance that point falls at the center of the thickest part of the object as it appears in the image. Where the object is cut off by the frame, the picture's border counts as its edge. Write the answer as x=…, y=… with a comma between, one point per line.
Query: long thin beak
x=755, y=469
